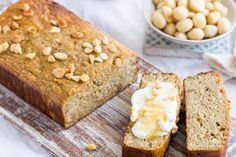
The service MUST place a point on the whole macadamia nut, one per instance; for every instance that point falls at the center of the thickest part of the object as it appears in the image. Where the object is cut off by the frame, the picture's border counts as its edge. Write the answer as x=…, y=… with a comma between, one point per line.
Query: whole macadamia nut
x=196, y=34
x=197, y=5
x=180, y=35
x=183, y=3
x=210, y=31
x=213, y=17
x=223, y=25
x=170, y=29
x=184, y=25
x=180, y=13
x=159, y=20
x=199, y=20
x=170, y=3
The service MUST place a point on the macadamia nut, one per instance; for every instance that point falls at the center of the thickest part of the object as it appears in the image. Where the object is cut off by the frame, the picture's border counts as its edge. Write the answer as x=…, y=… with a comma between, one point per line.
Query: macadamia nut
x=184, y=25
x=180, y=35
x=199, y=20
x=223, y=25
x=222, y=9
x=196, y=34
x=159, y=20
x=170, y=29
x=183, y=3
x=210, y=31
x=170, y=3
x=180, y=13
x=213, y=17
x=197, y=5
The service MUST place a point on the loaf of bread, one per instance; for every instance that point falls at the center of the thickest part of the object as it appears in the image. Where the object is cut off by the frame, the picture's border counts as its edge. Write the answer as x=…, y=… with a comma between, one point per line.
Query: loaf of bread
x=60, y=63
x=207, y=115
x=156, y=146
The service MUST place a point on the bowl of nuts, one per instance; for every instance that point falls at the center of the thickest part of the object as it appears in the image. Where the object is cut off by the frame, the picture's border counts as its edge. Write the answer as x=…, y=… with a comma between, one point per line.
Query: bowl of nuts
x=191, y=22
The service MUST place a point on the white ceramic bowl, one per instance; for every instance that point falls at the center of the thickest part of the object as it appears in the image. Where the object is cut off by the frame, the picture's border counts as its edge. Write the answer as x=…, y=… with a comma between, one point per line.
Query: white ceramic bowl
x=149, y=8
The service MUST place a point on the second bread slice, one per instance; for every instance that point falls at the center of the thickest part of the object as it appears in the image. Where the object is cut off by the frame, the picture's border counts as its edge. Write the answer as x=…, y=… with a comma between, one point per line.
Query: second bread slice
x=207, y=115
x=136, y=147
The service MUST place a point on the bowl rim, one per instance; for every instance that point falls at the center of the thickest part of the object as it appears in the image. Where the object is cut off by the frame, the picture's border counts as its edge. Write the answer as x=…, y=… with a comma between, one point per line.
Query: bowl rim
x=184, y=41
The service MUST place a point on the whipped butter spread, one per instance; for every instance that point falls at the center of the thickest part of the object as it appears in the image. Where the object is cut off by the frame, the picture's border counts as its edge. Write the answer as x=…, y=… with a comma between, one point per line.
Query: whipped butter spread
x=154, y=110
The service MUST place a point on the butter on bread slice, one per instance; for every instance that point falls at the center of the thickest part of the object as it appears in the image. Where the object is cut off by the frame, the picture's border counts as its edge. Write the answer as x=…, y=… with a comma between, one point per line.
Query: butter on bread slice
x=133, y=146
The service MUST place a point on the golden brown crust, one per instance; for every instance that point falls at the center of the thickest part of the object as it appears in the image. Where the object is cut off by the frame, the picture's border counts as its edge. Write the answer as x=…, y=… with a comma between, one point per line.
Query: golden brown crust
x=129, y=151
x=33, y=79
x=208, y=153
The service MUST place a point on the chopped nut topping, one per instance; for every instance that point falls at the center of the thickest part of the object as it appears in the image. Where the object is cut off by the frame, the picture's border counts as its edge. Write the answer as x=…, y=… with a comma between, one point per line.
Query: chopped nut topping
x=72, y=91
x=105, y=40
x=61, y=56
x=84, y=78
x=32, y=29
x=3, y=47
x=47, y=51
x=18, y=38
x=55, y=30
x=62, y=23
x=30, y=55
x=29, y=13
x=118, y=62
x=112, y=47
x=96, y=42
x=91, y=58
x=87, y=45
x=54, y=22
x=104, y=56
x=17, y=17
x=71, y=68
x=24, y=7
x=98, y=49
x=16, y=48
x=91, y=147
x=77, y=35
x=88, y=50
x=6, y=29
x=51, y=59
x=58, y=73
x=99, y=59
x=14, y=25
x=69, y=75
x=75, y=78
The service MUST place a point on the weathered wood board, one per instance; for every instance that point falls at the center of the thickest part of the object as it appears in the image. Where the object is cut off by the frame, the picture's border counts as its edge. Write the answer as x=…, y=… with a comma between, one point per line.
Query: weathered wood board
x=104, y=127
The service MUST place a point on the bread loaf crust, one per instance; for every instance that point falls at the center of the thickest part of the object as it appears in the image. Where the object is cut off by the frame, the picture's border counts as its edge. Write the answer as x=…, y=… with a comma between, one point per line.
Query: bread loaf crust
x=129, y=151
x=221, y=152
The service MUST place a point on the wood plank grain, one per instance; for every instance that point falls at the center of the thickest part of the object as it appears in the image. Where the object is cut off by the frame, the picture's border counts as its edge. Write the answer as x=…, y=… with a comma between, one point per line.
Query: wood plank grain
x=104, y=127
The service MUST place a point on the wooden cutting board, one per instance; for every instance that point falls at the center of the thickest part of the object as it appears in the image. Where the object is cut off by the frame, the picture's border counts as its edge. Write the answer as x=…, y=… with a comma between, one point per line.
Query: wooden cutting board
x=104, y=127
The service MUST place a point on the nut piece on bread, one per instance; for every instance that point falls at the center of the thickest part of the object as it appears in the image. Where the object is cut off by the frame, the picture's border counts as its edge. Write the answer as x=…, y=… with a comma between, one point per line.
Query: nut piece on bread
x=207, y=115
x=156, y=146
x=65, y=95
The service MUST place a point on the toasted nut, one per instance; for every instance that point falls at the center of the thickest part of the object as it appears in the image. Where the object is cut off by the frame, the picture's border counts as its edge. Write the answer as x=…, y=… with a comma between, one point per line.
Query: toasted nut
x=55, y=30
x=47, y=51
x=54, y=22
x=77, y=35
x=60, y=56
x=14, y=25
x=51, y=59
x=71, y=68
x=24, y=6
x=84, y=78
x=16, y=48
x=88, y=50
x=3, y=47
x=91, y=58
x=69, y=75
x=32, y=29
x=87, y=45
x=96, y=42
x=104, y=56
x=91, y=147
x=58, y=73
x=72, y=91
x=17, y=17
x=29, y=13
x=18, y=38
x=118, y=62
x=6, y=29
x=99, y=59
x=75, y=78
x=112, y=47
x=105, y=40
x=30, y=55
x=98, y=49
x=62, y=23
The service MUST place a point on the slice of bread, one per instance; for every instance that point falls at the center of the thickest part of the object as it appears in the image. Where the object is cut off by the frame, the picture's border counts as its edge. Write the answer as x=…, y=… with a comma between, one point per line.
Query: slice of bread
x=207, y=115
x=135, y=147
